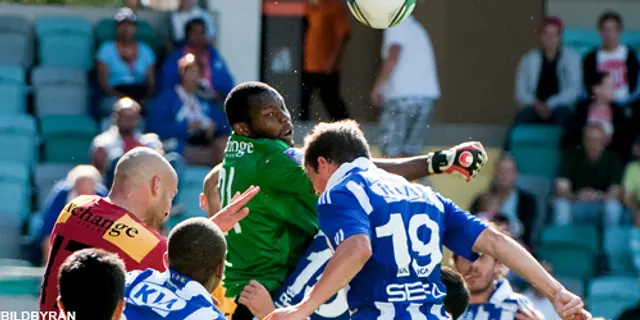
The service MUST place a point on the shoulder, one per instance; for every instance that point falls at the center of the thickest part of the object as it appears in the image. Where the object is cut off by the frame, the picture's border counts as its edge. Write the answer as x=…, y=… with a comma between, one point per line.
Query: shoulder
x=145, y=49
x=568, y=53
x=531, y=55
x=107, y=48
x=353, y=190
x=105, y=138
x=85, y=200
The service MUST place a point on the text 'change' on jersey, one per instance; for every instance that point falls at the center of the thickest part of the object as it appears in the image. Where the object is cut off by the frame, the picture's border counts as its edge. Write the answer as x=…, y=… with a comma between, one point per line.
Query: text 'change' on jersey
x=305, y=276
x=166, y=295
x=503, y=304
x=92, y=222
x=407, y=225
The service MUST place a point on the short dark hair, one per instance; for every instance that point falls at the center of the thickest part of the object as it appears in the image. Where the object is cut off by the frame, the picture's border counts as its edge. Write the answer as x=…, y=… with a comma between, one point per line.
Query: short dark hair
x=237, y=105
x=195, y=21
x=196, y=248
x=457, y=298
x=610, y=15
x=339, y=142
x=97, y=270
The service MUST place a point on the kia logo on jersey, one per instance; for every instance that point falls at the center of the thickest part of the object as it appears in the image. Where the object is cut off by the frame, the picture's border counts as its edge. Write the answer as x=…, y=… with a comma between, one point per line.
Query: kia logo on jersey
x=465, y=159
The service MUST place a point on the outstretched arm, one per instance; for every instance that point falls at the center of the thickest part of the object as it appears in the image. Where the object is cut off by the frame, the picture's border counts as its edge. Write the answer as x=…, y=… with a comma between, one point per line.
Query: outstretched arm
x=464, y=160
x=516, y=258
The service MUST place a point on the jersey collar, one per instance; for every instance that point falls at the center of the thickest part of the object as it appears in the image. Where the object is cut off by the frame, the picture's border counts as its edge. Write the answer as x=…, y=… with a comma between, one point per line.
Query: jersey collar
x=503, y=292
x=188, y=288
x=361, y=163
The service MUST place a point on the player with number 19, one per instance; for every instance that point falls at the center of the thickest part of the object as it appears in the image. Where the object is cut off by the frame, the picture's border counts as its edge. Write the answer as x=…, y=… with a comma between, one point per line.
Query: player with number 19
x=388, y=235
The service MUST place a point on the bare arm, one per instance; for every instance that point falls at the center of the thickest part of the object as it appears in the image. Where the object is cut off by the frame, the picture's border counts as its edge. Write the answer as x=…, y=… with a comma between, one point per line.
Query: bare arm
x=388, y=65
x=516, y=258
x=410, y=168
x=519, y=260
x=348, y=260
x=103, y=80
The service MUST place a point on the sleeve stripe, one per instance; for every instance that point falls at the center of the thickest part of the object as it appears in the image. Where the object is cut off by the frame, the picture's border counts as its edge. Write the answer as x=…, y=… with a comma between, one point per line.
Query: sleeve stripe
x=361, y=196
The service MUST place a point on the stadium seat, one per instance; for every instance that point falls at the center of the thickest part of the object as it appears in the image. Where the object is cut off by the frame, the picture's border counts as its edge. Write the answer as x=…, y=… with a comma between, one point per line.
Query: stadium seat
x=540, y=187
x=16, y=36
x=67, y=138
x=632, y=39
x=581, y=40
x=190, y=188
x=62, y=99
x=610, y=295
x=105, y=30
x=60, y=91
x=537, y=161
x=19, y=281
x=618, y=252
x=65, y=42
x=46, y=176
x=16, y=49
x=47, y=76
x=13, y=89
x=571, y=250
x=536, y=135
x=574, y=285
x=15, y=191
x=18, y=134
x=14, y=24
x=535, y=148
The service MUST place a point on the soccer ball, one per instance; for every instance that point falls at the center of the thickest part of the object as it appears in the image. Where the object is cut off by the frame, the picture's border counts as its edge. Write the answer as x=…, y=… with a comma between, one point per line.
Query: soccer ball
x=381, y=14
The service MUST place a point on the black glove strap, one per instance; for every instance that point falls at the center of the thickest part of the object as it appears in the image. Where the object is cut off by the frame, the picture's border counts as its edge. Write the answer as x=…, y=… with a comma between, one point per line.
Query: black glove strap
x=438, y=160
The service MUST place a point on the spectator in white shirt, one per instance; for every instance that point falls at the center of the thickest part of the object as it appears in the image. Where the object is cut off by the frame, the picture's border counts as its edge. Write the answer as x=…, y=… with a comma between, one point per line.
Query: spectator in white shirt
x=548, y=80
x=406, y=88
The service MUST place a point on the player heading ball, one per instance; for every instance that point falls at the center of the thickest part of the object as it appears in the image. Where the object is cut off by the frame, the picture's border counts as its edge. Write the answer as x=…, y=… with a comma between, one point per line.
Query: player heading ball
x=388, y=236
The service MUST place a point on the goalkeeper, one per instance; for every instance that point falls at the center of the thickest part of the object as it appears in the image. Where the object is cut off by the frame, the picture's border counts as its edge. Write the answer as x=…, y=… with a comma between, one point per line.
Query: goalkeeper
x=267, y=245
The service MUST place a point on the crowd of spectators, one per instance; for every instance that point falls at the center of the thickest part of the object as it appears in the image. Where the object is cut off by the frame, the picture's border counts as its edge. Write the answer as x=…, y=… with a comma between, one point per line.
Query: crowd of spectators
x=594, y=101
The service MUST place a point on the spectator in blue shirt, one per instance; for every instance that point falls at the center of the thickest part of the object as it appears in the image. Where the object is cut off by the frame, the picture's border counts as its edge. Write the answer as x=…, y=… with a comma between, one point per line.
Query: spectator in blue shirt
x=215, y=80
x=81, y=180
x=125, y=66
x=186, y=123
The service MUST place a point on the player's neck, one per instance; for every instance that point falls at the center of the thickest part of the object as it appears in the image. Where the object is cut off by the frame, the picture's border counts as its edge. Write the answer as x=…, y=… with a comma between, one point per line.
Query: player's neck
x=125, y=201
x=483, y=297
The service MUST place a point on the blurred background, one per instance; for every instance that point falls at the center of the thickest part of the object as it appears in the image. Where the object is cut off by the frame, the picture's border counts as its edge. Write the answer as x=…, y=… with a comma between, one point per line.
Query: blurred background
x=549, y=87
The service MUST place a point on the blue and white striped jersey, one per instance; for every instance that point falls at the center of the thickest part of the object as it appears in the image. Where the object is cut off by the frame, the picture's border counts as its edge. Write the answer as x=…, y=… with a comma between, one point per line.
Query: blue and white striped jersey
x=166, y=295
x=407, y=224
x=503, y=304
x=305, y=276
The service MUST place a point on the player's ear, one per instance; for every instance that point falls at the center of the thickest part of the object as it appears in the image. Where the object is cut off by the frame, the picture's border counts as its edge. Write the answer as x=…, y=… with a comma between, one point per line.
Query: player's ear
x=117, y=314
x=220, y=270
x=165, y=260
x=322, y=163
x=241, y=128
x=155, y=185
x=203, y=203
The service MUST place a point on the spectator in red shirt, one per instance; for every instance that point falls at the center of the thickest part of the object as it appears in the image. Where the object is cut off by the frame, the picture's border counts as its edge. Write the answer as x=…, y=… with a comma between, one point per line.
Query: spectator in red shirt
x=125, y=222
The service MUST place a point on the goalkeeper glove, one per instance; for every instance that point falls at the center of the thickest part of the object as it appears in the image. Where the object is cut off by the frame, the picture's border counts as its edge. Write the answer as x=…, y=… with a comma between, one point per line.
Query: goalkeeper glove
x=464, y=160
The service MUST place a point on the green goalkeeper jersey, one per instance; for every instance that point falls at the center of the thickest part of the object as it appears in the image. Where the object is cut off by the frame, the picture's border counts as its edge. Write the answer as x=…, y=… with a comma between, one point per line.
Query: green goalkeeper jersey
x=266, y=245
